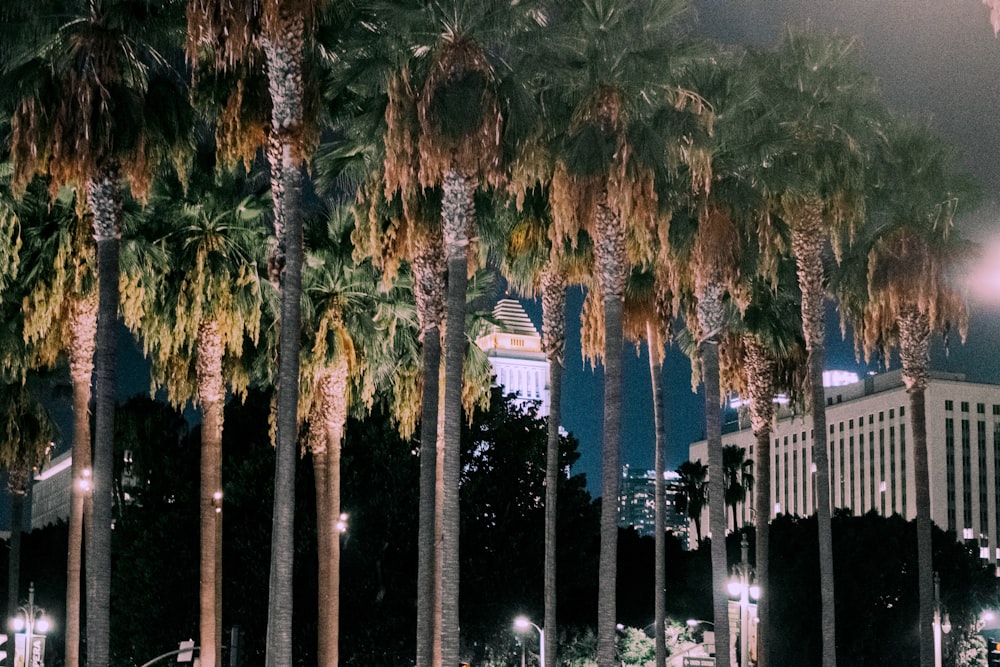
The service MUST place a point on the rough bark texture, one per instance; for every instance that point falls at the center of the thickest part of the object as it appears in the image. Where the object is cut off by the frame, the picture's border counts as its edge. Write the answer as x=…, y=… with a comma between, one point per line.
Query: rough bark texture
x=104, y=200
x=611, y=271
x=211, y=399
x=458, y=217
x=428, y=272
x=710, y=317
x=554, y=344
x=760, y=389
x=284, y=54
x=914, y=353
x=659, y=494
x=80, y=350
x=807, y=246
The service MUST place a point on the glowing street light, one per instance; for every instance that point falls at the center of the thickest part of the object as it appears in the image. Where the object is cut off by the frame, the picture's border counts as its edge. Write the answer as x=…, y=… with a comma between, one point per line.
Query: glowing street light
x=30, y=625
x=521, y=624
x=940, y=626
x=741, y=586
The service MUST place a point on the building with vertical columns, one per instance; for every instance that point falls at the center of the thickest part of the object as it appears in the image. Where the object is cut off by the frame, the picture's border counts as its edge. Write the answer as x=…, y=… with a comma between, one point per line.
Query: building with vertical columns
x=870, y=448
x=514, y=348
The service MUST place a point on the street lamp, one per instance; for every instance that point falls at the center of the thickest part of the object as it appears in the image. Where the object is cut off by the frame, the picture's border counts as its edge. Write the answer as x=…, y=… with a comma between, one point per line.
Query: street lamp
x=522, y=623
x=939, y=624
x=30, y=625
x=741, y=586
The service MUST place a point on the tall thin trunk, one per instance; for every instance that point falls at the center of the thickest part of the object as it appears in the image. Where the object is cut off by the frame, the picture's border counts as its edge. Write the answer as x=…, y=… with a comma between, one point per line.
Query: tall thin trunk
x=610, y=260
x=17, y=493
x=283, y=50
x=211, y=398
x=104, y=200
x=331, y=418
x=807, y=246
x=554, y=341
x=458, y=218
x=324, y=529
x=760, y=383
x=710, y=318
x=80, y=349
x=659, y=494
x=914, y=353
x=428, y=272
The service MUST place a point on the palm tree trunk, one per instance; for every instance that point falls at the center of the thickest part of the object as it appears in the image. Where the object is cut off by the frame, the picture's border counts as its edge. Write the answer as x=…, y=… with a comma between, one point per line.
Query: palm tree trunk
x=17, y=493
x=211, y=397
x=334, y=388
x=458, y=218
x=710, y=318
x=284, y=54
x=554, y=335
x=104, y=200
x=83, y=332
x=807, y=246
x=914, y=353
x=610, y=260
x=760, y=384
x=659, y=497
x=428, y=272
x=324, y=530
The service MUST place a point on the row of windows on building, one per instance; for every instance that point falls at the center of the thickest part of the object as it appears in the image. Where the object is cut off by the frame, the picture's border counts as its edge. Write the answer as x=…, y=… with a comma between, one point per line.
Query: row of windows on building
x=525, y=382
x=949, y=406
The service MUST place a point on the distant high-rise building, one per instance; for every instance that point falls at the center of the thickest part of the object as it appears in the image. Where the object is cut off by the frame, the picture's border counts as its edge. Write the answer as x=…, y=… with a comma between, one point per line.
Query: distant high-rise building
x=870, y=452
x=514, y=348
x=637, y=503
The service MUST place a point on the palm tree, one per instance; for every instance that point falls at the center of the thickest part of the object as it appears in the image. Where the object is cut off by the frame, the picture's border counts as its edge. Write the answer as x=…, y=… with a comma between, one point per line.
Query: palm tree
x=897, y=287
x=196, y=309
x=826, y=112
x=446, y=72
x=27, y=436
x=79, y=91
x=610, y=74
x=739, y=479
x=60, y=320
x=764, y=354
x=693, y=491
x=346, y=356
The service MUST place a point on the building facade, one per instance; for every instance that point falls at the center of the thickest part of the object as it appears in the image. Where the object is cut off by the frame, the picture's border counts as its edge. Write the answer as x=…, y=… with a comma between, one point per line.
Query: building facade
x=637, y=503
x=870, y=450
x=514, y=349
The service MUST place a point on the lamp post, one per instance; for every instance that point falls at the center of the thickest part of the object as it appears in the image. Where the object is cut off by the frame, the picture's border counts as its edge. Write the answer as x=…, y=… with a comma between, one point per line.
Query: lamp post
x=741, y=586
x=522, y=623
x=29, y=645
x=940, y=626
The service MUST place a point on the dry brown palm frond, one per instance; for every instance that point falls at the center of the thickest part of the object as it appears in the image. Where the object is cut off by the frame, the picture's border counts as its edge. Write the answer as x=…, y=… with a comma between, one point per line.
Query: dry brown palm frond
x=474, y=152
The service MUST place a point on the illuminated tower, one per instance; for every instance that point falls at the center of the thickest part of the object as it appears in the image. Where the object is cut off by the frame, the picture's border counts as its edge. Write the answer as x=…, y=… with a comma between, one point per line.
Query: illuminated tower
x=514, y=349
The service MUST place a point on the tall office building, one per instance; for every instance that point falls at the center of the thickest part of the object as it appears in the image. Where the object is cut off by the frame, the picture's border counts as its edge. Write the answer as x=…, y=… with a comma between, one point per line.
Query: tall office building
x=870, y=450
x=514, y=348
x=637, y=503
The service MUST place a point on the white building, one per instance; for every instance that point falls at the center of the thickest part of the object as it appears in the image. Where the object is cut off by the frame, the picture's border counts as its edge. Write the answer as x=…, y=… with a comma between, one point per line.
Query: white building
x=871, y=455
x=514, y=348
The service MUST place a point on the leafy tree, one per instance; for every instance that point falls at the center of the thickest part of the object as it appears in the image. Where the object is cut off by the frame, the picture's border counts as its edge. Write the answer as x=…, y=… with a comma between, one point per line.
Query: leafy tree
x=693, y=494
x=737, y=472
x=27, y=433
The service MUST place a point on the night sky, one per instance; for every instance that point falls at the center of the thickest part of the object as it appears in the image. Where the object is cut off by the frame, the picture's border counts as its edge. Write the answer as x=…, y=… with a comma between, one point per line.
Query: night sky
x=936, y=59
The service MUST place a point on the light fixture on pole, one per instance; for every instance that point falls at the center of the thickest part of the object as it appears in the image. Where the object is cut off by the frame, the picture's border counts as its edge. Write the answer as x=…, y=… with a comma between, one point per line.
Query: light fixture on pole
x=742, y=587
x=940, y=626
x=522, y=623
x=29, y=626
